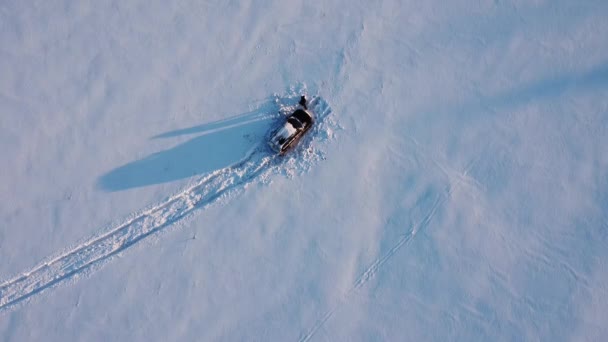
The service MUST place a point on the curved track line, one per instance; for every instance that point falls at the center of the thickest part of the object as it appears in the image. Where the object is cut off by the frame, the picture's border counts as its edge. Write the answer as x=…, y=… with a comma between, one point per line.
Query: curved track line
x=371, y=271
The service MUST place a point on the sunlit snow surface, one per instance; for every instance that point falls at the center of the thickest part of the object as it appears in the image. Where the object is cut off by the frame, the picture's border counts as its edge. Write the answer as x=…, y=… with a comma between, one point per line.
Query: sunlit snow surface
x=454, y=186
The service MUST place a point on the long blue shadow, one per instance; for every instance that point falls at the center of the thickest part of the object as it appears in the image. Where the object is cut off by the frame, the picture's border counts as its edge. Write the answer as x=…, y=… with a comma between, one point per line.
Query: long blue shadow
x=250, y=117
x=594, y=78
x=220, y=144
x=460, y=115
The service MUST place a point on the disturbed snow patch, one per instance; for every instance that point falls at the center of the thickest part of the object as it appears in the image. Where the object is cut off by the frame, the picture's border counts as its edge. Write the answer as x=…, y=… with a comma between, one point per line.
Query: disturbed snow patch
x=311, y=148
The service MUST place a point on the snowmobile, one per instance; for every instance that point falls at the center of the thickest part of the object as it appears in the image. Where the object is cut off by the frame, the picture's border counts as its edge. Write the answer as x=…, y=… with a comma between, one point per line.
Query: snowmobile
x=285, y=138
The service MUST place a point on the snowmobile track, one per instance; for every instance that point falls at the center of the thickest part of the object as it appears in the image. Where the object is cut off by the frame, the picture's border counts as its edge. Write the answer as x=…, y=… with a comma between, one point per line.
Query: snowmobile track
x=375, y=266
x=98, y=249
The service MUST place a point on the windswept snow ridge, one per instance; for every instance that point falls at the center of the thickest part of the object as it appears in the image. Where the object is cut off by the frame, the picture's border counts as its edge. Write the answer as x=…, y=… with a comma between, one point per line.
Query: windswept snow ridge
x=257, y=165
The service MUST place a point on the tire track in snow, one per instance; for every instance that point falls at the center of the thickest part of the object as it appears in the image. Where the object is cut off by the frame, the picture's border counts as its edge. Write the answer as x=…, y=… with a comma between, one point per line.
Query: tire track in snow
x=93, y=252
x=375, y=266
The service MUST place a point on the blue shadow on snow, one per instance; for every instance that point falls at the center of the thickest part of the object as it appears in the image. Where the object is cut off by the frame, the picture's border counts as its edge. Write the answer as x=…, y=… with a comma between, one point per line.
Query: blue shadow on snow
x=595, y=78
x=218, y=145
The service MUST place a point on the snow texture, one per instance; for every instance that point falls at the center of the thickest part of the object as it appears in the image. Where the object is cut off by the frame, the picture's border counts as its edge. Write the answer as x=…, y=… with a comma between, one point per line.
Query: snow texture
x=454, y=185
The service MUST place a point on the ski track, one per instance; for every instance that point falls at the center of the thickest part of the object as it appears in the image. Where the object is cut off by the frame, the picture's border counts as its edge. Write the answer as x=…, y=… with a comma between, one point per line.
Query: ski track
x=95, y=251
x=375, y=266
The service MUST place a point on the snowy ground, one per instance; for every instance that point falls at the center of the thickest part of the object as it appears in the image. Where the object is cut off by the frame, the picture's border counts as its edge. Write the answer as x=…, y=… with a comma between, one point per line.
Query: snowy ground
x=456, y=187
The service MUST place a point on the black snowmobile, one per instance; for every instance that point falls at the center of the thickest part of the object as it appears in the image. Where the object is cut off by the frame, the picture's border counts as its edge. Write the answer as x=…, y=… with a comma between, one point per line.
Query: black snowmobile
x=298, y=123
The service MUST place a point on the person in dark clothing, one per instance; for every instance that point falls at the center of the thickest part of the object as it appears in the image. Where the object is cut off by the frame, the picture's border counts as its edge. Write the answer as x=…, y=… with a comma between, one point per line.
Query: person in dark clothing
x=303, y=102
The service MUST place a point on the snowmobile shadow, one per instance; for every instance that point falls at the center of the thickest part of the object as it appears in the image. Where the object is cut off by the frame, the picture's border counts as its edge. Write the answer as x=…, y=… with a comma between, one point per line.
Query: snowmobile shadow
x=243, y=119
x=218, y=145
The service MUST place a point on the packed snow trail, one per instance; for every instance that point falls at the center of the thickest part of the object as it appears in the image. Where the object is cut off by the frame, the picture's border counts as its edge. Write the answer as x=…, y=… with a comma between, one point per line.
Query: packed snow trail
x=135, y=229
x=93, y=252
